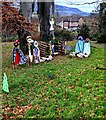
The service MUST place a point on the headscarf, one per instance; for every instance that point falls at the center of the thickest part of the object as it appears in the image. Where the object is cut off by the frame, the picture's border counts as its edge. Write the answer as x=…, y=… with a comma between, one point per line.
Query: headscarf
x=80, y=38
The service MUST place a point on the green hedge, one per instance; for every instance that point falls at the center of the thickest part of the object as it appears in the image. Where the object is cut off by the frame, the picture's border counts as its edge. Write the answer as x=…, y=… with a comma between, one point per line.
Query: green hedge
x=63, y=35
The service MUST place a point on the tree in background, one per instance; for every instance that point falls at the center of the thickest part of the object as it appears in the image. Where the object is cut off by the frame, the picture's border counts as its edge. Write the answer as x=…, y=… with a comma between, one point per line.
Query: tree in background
x=14, y=23
x=44, y=17
x=102, y=25
x=84, y=31
x=45, y=12
x=26, y=10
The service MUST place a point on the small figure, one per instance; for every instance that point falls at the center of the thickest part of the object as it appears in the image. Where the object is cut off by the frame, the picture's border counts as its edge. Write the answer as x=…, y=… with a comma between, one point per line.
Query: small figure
x=36, y=52
x=5, y=83
x=18, y=56
x=78, y=48
x=79, y=45
x=86, y=51
x=53, y=49
x=52, y=28
x=30, y=48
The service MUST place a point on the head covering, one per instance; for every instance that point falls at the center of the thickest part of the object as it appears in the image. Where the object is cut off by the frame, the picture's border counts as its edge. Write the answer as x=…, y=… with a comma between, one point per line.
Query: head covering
x=87, y=40
x=80, y=38
x=16, y=43
x=52, y=19
x=35, y=43
x=29, y=39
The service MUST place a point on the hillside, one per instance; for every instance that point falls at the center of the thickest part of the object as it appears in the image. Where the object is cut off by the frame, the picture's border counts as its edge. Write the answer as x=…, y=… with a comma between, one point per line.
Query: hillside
x=66, y=11
x=63, y=10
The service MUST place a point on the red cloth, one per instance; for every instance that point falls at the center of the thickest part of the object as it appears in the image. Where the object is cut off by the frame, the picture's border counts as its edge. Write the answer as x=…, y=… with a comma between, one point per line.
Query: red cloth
x=17, y=59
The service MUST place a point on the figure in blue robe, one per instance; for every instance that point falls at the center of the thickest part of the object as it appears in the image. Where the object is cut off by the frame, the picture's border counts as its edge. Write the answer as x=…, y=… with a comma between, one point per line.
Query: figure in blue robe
x=79, y=45
x=18, y=55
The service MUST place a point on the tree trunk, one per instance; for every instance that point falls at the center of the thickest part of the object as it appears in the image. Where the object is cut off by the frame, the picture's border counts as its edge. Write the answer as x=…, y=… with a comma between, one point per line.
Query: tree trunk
x=102, y=26
x=44, y=17
x=26, y=10
x=22, y=34
x=52, y=9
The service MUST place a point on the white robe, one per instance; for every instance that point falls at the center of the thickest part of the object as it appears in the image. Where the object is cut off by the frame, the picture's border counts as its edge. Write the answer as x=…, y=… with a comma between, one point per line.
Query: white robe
x=86, y=48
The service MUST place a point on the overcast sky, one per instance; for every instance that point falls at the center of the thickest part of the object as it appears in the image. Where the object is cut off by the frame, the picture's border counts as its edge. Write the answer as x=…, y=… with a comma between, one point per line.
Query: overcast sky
x=85, y=8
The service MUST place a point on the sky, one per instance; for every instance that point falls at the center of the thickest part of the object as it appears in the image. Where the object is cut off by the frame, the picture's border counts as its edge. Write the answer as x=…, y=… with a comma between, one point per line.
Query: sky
x=85, y=8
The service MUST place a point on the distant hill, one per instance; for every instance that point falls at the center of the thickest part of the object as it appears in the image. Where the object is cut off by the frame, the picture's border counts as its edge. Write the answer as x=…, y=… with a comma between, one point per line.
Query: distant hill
x=64, y=11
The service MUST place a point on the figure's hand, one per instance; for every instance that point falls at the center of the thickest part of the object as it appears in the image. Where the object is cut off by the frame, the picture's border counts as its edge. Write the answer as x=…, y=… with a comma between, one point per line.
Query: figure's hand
x=28, y=43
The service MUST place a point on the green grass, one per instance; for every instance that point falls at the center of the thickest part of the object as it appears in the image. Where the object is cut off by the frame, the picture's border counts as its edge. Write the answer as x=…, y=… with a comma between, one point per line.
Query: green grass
x=62, y=88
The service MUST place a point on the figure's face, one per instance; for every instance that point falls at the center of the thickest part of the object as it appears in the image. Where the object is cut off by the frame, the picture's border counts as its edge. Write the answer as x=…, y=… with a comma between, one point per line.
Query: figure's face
x=52, y=19
x=29, y=40
x=16, y=44
x=36, y=44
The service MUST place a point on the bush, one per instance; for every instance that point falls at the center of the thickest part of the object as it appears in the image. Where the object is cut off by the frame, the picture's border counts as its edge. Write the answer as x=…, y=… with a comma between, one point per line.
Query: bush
x=95, y=36
x=84, y=31
x=102, y=36
x=9, y=38
x=102, y=24
x=63, y=35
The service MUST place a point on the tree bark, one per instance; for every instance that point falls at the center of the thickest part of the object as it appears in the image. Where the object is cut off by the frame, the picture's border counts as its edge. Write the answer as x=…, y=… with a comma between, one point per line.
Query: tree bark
x=22, y=34
x=26, y=10
x=44, y=17
x=102, y=25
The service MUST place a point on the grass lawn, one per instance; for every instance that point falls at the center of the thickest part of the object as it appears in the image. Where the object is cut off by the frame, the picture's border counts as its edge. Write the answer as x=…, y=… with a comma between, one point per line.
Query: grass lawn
x=62, y=88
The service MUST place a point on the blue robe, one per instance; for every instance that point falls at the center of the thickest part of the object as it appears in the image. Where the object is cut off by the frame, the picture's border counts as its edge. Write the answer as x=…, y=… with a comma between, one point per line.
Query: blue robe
x=22, y=58
x=79, y=47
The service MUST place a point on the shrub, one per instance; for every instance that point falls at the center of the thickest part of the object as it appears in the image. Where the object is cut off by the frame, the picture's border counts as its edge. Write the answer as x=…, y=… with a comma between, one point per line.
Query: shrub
x=63, y=35
x=102, y=24
x=95, y=36
x=102, y=36
x=84, y=31
x=9, y=38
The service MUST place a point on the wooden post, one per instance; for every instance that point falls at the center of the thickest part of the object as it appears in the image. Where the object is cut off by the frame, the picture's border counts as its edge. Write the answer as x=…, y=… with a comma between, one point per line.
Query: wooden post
x=50, y=47
x=65, y=51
